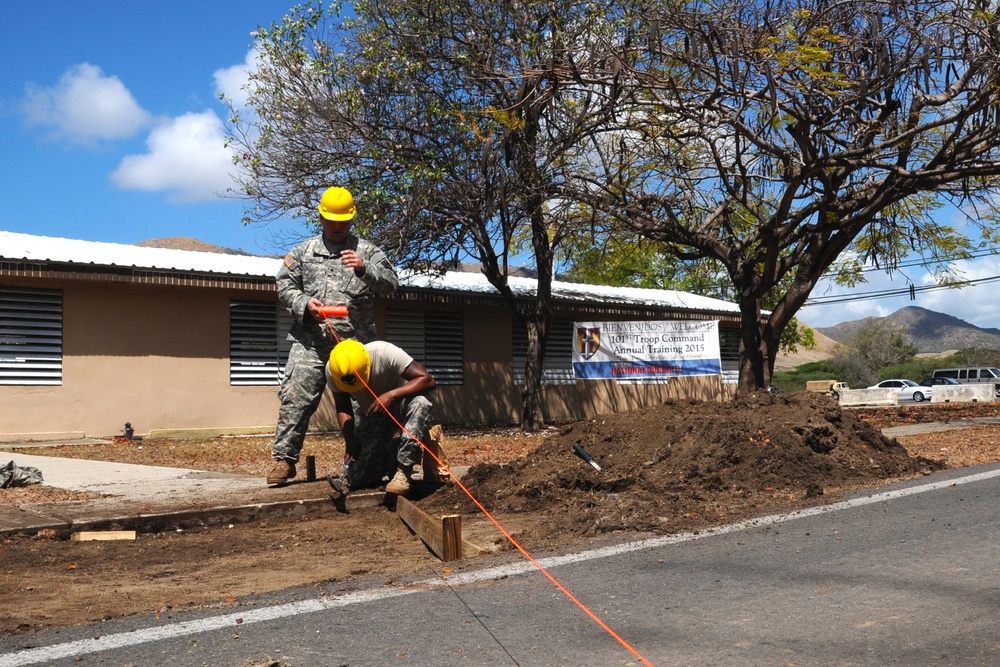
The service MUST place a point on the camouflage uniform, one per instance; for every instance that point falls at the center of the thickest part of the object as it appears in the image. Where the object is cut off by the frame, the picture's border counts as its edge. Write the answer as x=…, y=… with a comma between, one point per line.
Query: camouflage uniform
x=313, y=270
x=379, y=451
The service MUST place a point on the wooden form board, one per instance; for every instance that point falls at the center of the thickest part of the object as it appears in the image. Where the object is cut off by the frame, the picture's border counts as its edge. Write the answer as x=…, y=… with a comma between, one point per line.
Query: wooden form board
x=91, y=535
x=442, y=536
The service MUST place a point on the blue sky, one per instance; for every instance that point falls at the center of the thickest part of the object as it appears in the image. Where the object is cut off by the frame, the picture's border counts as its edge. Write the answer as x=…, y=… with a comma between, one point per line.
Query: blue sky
x=111, y=120
x=113, y=131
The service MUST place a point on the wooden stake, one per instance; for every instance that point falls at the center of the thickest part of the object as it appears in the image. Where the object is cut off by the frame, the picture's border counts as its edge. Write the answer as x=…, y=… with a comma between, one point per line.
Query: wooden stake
x=451, y=537
x=433, y=471
x=443, y=537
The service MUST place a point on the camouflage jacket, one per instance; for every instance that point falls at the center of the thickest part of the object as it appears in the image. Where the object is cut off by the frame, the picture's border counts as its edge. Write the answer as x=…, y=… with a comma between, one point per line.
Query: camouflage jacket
x=313, y=270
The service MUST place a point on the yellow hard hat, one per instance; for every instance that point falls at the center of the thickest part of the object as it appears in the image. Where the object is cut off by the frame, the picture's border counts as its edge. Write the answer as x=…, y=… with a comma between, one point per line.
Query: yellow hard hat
x=348, y=362
x=337, y=204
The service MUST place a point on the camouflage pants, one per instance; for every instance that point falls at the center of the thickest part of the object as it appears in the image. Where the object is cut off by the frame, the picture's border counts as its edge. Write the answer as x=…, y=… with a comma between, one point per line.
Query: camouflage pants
x=380, y=452
x=300, y=394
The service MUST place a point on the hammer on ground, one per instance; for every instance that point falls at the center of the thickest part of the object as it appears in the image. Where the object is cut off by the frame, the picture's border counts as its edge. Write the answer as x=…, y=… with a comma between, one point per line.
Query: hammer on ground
x=585, y=455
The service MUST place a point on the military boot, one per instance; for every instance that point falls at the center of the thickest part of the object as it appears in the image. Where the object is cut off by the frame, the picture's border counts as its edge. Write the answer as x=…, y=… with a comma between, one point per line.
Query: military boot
x=281, y=472
x=400, y=483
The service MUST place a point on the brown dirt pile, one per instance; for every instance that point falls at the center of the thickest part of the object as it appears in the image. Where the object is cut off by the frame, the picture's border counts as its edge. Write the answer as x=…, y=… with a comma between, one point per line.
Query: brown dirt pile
x=682, y=465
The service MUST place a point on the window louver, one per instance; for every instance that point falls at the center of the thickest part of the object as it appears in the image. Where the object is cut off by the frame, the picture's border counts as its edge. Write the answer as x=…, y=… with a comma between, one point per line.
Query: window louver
x=434, y=338
x=557, y=367
x=258, y=345
x=729, y=352
x=31, y=323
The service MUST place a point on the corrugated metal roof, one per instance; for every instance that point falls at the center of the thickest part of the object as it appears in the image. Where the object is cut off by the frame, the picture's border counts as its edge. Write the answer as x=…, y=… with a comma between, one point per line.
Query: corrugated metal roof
x=29, y=247
x=476, y=282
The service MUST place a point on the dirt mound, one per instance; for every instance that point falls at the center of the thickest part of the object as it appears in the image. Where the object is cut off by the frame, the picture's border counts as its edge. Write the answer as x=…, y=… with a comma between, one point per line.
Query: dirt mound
x=685, y=465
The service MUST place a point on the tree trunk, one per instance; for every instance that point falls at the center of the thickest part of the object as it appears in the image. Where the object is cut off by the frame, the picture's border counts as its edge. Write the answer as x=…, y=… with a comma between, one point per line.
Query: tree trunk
x=753, y=351
x=759, y=343
x=538, y=324
x=532, y=417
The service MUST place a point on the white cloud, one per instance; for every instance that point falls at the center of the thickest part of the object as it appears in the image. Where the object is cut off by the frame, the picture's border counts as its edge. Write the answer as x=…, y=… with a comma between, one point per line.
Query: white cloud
x=230, y=81
x=84, y=107
x=976, y=304
x=186, y=157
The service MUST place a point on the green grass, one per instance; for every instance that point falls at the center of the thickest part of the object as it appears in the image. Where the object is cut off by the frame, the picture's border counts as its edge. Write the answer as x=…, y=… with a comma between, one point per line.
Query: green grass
x=915, y=369
x=795, y=380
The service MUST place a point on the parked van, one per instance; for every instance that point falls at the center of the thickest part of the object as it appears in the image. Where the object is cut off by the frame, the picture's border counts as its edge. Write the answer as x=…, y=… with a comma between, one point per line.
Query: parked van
x=972, y=375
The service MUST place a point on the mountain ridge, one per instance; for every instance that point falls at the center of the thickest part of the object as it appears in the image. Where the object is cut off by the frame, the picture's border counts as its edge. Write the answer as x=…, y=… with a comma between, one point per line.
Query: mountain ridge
x=928, y=330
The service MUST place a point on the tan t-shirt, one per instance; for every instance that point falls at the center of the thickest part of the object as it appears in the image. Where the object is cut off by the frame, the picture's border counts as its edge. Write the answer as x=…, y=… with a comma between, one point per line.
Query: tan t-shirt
x=388, y=362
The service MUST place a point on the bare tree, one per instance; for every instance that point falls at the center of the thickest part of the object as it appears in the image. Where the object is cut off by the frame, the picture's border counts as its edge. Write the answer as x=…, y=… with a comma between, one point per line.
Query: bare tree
x=457, y=123
x=979, y=356
x=773, y=137
x=881, y=343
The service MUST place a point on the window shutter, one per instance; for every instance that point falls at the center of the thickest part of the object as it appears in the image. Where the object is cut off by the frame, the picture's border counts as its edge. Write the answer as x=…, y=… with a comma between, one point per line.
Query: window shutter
x=729, y=353
x=258, y=349
x=557, y=367
x=434, y=338
x=405, y=328
x=30, y=336
x=444, y=346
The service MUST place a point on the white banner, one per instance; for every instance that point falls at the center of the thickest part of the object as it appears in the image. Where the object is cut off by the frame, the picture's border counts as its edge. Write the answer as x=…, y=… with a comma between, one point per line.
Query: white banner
x=644, y=350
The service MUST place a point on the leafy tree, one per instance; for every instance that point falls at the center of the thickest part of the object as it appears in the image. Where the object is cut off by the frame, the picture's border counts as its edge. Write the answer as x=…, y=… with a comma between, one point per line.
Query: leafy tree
x=458, y=124
x=635, y=261
x=876, y=346
x=796, y=334
x=769, y=138
x=777, y=136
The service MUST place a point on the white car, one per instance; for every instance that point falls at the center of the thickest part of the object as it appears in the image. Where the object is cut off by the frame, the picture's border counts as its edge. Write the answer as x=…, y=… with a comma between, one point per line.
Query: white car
x=908, y=389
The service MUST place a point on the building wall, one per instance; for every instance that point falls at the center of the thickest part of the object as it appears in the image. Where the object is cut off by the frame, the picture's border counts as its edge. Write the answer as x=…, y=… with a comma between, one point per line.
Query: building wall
x=564, y=403
x=157, y=356
x=154, y=356
x=489, y=395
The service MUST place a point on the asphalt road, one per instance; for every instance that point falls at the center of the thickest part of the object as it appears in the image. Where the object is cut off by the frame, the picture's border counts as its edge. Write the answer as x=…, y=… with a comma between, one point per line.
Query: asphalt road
x=905, y=575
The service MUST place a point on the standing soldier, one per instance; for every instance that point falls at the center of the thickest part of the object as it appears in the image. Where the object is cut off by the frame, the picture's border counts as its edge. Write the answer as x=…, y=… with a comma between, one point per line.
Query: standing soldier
x=335, y=268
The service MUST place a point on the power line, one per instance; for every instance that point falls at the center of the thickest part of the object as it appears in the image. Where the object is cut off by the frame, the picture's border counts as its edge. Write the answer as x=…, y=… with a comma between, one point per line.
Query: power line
x=987, y=252
x=887, y=294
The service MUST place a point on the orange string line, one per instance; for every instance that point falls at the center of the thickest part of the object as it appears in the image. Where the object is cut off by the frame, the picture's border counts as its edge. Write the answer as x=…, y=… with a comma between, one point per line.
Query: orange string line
x=510, y=538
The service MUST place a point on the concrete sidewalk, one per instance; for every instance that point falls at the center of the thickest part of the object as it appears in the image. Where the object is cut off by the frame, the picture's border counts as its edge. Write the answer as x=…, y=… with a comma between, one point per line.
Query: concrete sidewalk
x=938, y=427
x=151, y=498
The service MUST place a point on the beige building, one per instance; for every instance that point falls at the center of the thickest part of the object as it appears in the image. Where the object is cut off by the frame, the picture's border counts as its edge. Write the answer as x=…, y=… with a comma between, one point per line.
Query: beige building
x=94, y=335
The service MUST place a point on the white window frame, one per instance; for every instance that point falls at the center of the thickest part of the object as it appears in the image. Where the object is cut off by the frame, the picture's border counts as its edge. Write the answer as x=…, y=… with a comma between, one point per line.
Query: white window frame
x=435, y=338
x=258, y=342
x=31, y=331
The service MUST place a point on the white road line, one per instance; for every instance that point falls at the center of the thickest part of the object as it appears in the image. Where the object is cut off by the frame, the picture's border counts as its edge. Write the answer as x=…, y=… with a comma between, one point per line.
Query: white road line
x=41, y=654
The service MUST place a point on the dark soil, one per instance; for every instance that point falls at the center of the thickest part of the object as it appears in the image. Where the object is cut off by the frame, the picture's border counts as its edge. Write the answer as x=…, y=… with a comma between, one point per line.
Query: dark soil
x=682, y=466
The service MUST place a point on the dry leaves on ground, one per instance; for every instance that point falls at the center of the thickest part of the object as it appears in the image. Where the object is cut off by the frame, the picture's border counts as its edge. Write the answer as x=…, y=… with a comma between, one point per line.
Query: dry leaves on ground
x=251, y=455
x=957, y=448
